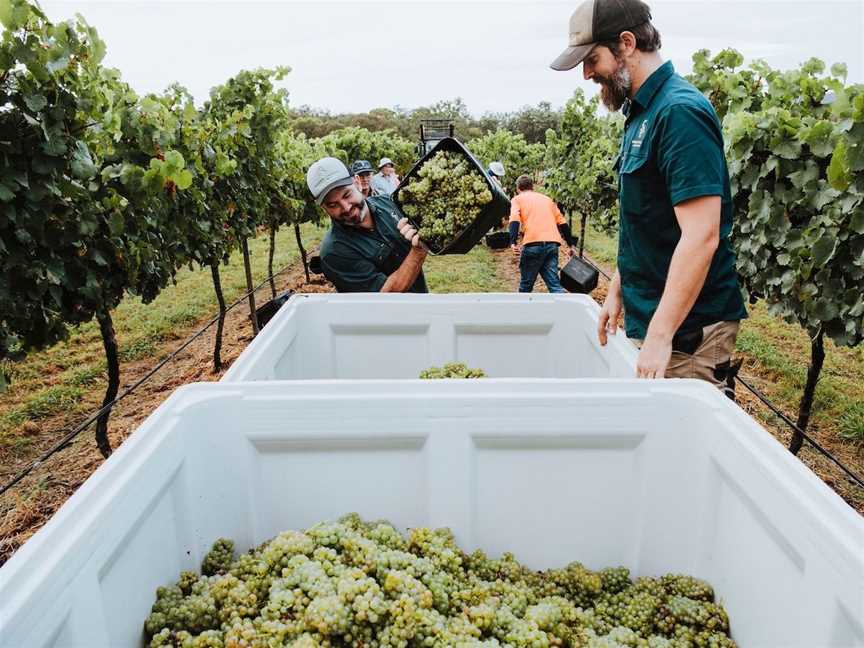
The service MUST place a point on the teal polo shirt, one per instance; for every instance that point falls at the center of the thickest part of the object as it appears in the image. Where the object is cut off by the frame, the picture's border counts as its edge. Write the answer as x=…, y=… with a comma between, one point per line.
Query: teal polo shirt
x=671, y=151
x=360, y=260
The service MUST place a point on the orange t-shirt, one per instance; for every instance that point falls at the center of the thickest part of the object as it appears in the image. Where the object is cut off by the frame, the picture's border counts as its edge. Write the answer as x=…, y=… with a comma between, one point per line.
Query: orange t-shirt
x=538, y=217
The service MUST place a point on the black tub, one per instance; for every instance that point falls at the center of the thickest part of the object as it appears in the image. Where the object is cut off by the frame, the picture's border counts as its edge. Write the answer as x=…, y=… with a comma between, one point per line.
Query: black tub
x=489, y=217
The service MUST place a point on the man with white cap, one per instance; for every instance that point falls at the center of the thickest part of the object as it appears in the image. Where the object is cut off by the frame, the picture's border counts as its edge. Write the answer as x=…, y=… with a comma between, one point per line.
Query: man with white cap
x=370, y=247
x=385, y=181
x=676, y=277
x=496, y=172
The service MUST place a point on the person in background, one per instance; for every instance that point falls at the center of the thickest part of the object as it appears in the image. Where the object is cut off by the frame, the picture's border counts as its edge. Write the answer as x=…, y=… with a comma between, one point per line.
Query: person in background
x=496, y=172
x=676, y=277
x=385, y=181
x=361, y=171
x=370, y=247
x=543, y=229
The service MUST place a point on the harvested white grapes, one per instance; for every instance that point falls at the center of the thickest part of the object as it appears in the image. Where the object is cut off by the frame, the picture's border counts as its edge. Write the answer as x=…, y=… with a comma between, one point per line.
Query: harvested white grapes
x=364, y=585
x=445, y=198
x=452, y=370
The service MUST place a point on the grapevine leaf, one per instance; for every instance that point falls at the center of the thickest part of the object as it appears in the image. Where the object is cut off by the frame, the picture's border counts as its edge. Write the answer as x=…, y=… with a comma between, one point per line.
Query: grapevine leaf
x=36, y=102
x=856, y=223
x=82, y=163
x=838, y=170
x=855, y=156
x=14, y=14
x=823, y=249
x=116, y=223
x=858, y=108
x=808, y=174
x=174, y=162
x=183, y=180
x=788, y=149
x=825, y=310
x=819, y=137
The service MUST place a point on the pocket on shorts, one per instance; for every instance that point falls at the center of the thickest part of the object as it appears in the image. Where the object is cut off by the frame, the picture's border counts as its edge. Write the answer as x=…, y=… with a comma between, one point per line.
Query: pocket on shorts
x=688, y=342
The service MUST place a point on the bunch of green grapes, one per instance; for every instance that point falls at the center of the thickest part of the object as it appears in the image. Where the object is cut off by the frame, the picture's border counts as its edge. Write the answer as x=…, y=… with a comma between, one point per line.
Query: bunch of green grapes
x=353, y=583
x=445, y=198
x=452, y=370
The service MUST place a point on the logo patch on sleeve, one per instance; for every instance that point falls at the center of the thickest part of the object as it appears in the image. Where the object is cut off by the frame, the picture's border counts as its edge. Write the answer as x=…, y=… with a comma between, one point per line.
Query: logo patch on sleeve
x=640, y=136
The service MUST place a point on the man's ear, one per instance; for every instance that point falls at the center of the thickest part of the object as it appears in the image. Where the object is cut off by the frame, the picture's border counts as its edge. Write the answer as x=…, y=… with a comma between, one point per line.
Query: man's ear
x=628, y=43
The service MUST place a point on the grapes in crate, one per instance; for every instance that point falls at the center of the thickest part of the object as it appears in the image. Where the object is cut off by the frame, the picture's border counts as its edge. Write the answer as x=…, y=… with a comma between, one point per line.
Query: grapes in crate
x=444, y=198
x=452, y=370
x=365, y=584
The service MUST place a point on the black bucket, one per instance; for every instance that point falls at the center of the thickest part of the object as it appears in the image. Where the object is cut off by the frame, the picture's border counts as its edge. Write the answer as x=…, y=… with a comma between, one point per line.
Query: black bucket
x=315, y=265
x=266, y=312
x=490, y=216
x=498, y=240
x=579, y=276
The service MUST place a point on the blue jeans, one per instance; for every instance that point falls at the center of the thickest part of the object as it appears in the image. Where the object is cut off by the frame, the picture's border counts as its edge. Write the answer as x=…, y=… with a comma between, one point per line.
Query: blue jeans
x=539, y=259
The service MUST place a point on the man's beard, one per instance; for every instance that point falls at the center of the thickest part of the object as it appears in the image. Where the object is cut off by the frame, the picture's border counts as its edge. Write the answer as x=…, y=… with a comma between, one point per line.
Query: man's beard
x=355, y=218
x=615, y=90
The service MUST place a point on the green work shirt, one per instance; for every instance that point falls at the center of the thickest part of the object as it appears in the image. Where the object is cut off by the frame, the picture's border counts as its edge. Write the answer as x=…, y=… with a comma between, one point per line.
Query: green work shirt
x=671, y=151
x=360, y=260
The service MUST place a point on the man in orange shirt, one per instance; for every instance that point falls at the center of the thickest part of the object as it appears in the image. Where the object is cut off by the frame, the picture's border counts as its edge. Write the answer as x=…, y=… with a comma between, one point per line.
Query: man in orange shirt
x=543, y=231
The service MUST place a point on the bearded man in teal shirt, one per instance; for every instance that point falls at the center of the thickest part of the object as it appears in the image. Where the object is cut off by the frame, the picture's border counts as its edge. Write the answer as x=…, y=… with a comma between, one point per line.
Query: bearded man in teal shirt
x=676, y=279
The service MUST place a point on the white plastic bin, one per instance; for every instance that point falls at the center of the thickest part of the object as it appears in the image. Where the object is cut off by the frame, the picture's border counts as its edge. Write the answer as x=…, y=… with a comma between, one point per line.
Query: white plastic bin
x=665, y=476
x=397, y=336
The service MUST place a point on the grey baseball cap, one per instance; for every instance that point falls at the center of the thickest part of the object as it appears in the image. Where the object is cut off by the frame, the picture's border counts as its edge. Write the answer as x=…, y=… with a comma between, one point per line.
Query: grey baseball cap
x=595, y=21
x=325, y=175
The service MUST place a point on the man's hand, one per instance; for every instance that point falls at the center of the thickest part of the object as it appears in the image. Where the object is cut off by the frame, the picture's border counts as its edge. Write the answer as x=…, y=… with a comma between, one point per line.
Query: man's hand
x=573, y=252
x=517, y=249
x=409, y=233
x=654, y=357
x=611, y=310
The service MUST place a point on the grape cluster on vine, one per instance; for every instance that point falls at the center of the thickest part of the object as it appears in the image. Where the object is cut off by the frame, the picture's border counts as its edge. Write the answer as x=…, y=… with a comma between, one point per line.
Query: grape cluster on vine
x=359, y=584
x=445, y=197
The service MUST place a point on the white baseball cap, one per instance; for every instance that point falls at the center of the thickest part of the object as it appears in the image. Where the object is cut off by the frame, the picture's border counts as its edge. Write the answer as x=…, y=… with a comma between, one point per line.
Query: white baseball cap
x=325, y=175
x=384, y=161
x=497, y=168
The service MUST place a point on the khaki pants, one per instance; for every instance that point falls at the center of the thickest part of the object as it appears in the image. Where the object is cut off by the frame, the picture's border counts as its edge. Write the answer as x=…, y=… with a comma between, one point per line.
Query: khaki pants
x=711, y=360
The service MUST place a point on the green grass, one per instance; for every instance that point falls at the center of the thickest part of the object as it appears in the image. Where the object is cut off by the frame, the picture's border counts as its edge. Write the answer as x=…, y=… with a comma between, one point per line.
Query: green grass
x=601, y=247
x=472, y=272
x=781, y=352
x=55, y=380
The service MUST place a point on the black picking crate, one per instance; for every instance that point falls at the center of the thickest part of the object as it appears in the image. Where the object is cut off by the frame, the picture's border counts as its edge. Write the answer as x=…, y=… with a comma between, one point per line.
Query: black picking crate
x=579, y=276
x=498, y=240
x=315, y=265
x=490, y=216
x=266, y=312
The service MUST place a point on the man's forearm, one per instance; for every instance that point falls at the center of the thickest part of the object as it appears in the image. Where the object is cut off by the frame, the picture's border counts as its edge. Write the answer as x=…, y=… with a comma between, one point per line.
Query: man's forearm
x=687, y=272
x=614, y=284
x=407, y=273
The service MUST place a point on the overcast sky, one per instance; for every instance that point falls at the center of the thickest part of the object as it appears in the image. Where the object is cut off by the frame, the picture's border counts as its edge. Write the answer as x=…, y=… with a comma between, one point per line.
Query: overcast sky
x=351, y=57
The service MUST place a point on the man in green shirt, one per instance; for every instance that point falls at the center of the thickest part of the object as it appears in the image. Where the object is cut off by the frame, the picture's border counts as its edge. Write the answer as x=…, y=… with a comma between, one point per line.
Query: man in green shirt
x=370, y=247
x=676, y=277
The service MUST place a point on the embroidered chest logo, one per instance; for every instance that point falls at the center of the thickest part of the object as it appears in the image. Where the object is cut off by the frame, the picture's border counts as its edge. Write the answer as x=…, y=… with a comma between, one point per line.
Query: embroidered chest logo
x=643, y=129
